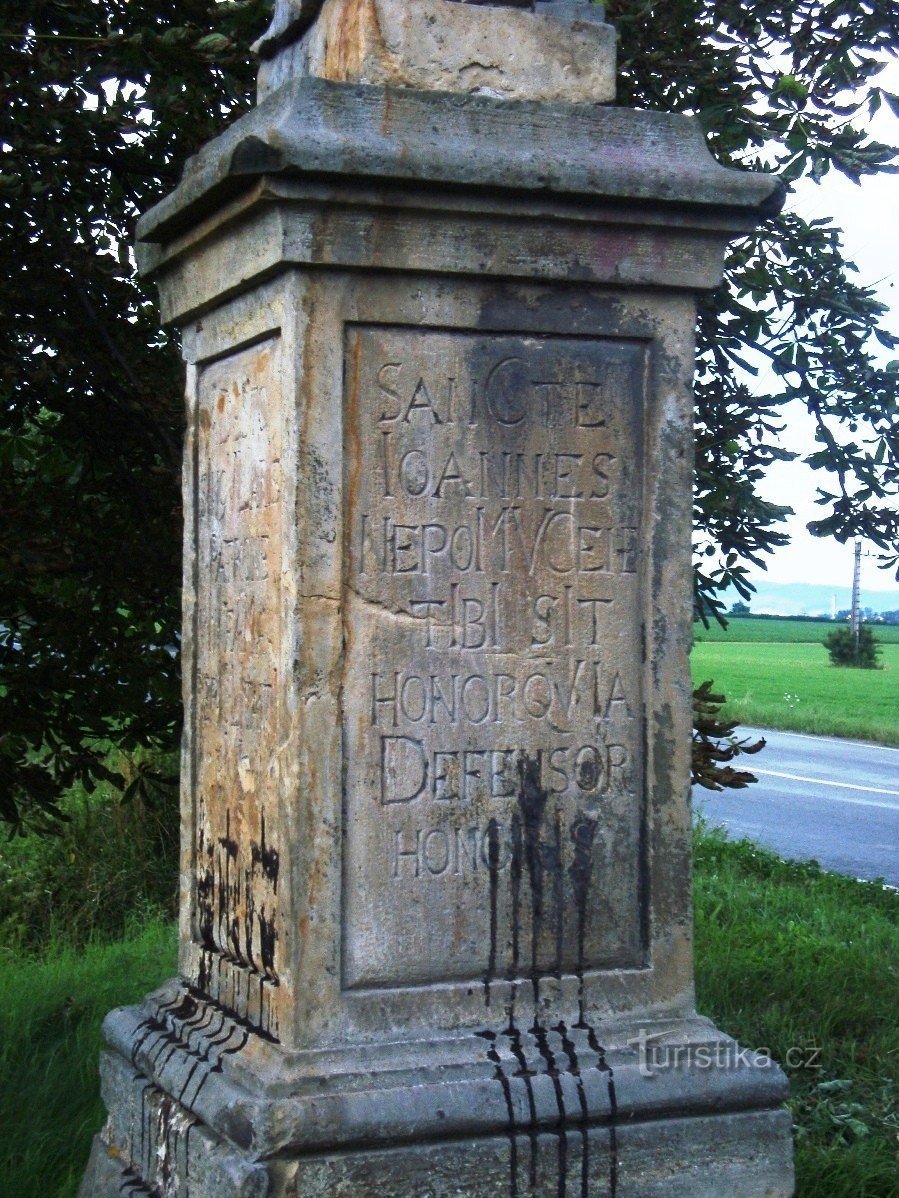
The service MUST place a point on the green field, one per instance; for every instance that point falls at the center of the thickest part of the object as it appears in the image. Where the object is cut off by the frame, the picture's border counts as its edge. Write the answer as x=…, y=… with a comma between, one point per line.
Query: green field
x=752, y=629
x=777, y=674
x=788, y=958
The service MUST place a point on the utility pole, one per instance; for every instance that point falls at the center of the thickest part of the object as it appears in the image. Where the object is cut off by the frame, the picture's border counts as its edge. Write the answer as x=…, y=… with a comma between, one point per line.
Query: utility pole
x=856, y=589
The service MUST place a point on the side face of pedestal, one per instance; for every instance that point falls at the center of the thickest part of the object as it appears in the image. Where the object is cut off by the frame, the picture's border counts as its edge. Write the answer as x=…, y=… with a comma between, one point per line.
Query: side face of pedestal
x=237, y=586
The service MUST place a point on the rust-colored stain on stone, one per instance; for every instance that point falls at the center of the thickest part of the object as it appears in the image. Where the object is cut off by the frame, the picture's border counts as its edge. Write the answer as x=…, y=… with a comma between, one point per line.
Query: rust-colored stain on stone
x=351, y=33
x=430, y=44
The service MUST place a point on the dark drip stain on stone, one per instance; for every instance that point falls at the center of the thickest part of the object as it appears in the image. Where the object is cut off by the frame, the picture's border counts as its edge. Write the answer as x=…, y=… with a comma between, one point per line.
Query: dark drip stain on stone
x=163, y=1153
x=199, y=1054
x=574, y=1069
x=235, y=1017
x=493, y=867
x=164, y=1134
x=133, y=1187
x=268, y=935
x=537, y=848
x=604, y=1067
x=532, y=801
x=527, y=1075
x=554, y=863
x=236, y=922
x=583, y=836
x=201, y=1034
x=265, y=857
x=515, y=869
x=538, y=1031
x=500, y=1075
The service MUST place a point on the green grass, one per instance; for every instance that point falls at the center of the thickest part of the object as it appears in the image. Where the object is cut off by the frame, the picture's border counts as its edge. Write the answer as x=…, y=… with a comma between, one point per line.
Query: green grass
x=788, y=957
x=741, y=628
x=51, y=1009
x=794, y=686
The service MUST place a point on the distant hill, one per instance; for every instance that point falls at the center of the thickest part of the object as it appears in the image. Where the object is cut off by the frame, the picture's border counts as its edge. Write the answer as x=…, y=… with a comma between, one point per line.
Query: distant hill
x=810, y=599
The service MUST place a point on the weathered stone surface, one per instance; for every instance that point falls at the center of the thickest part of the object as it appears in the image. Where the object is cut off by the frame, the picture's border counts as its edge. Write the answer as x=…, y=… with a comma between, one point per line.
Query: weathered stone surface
x=741, y=1156
x=557, y=52
x=573, y=1121
x=557, y=647
x=436, y=864
x=240, y=564
x=477, y=147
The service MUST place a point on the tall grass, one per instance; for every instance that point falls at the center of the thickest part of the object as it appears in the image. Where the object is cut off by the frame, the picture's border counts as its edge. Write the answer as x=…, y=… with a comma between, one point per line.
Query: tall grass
x=51, y=1009
x=111, y=862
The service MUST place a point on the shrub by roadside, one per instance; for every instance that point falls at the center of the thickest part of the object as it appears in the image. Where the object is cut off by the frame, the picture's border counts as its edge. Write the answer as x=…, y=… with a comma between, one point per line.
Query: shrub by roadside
x=845, y=649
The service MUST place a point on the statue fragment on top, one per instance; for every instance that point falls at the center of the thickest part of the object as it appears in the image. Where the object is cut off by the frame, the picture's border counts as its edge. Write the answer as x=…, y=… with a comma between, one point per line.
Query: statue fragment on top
x=476, y=46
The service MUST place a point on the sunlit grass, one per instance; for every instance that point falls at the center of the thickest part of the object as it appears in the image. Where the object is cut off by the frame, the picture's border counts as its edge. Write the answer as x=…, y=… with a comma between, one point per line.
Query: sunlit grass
x=794, y=686
x=792, y=958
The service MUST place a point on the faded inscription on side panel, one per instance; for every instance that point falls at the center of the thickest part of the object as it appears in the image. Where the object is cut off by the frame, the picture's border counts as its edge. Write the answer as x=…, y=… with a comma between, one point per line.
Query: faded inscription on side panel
x=235, y=703
x=492, y=709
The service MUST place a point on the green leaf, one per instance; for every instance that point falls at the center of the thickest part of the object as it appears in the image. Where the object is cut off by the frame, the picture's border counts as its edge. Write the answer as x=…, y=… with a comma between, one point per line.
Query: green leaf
x=213, y=44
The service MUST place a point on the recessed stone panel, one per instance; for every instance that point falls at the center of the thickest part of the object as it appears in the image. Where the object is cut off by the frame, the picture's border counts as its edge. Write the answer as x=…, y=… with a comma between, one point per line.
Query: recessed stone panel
x=493, y=690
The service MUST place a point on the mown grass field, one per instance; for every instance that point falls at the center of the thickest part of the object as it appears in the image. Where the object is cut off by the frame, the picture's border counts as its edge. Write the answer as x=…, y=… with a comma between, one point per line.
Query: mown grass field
x=787, y=958
x=777, y=674
x=739, y=628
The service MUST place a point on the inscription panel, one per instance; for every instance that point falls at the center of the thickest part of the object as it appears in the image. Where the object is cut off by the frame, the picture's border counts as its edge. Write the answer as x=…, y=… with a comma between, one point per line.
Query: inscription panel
x=492, y=702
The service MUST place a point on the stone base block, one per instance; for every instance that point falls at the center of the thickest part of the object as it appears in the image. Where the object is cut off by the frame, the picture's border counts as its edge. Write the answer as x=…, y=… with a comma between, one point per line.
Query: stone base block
x=544, y=1112
x=744, y=1155
x=738, y=1155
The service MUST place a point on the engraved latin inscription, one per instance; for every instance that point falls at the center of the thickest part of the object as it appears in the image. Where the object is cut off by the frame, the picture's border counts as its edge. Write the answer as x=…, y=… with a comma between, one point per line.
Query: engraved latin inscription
x=493, y=689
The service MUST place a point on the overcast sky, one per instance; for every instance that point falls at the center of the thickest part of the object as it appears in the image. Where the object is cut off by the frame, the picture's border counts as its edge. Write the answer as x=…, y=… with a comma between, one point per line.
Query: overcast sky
x=869, y=217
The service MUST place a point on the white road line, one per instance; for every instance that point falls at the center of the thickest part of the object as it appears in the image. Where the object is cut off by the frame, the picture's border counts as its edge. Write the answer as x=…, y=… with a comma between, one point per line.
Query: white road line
x=871, y=790
x=828, y=740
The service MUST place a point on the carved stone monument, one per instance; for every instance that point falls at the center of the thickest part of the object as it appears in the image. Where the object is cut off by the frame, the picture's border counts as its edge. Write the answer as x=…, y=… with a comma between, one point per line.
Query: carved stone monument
x=437, y=306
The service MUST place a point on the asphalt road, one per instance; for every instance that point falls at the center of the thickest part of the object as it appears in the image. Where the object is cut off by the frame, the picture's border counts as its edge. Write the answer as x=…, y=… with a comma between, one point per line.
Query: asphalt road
x=836, y=801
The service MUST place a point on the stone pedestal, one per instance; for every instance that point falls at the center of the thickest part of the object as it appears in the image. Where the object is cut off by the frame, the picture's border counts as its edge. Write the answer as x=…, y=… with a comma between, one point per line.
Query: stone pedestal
x=436, y=931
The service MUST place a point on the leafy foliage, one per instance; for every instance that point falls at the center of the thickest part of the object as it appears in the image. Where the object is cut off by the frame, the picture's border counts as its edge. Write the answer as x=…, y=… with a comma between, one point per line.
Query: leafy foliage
x=785, y=87
x=103, y=102
x=112, y=861
x=845, y=650
x=715, y=745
